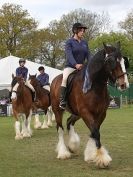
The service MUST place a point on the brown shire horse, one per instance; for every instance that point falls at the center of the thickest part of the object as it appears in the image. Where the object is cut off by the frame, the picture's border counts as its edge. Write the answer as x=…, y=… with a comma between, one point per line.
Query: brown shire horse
x=22, y=107
x=106, y=64
x=43, y=102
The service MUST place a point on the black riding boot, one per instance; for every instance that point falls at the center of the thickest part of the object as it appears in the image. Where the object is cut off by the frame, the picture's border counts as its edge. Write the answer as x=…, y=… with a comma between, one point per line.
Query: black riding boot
x=62, y=97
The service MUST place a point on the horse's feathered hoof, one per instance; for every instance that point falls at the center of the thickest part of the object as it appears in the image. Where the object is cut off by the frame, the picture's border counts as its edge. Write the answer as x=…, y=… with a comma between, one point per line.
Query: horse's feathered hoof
x=64, y=156
x=18, y=137
x=102, y=158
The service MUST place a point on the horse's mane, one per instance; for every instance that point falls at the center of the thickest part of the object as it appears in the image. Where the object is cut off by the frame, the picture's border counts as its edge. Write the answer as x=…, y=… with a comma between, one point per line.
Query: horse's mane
x=38, y=86
x=96, y=62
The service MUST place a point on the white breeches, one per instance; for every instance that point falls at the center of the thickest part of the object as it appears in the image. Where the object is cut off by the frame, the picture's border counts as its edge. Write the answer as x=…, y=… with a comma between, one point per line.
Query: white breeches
x=47, y=87
x=66, y=73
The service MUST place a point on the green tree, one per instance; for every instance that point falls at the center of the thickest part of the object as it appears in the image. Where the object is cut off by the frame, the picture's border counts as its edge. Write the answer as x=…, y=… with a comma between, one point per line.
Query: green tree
x=96, y=23
x=51, y=45
x=15, y=25
x=127, y=24
x=111, y=38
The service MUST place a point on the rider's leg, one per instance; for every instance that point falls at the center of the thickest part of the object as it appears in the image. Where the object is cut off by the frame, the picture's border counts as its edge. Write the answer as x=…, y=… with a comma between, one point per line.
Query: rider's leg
x=66, y=73
x=27, y=83
x=47, y=87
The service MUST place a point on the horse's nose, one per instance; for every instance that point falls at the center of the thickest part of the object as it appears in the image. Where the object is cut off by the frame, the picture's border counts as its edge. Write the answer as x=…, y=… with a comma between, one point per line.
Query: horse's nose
x=123, y=86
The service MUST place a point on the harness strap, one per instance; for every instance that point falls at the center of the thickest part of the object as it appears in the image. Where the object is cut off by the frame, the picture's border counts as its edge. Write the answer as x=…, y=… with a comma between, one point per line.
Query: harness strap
x=14, y=91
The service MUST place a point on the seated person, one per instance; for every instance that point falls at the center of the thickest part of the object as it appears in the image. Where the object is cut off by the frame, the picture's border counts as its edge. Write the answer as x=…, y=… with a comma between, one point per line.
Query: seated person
x=43, y=78
x=23, y=71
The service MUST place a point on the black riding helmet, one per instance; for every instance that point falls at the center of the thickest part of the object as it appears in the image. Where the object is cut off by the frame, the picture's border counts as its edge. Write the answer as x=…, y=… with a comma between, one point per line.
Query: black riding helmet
x=40, y=68
x=77, y=26
x=22, y=60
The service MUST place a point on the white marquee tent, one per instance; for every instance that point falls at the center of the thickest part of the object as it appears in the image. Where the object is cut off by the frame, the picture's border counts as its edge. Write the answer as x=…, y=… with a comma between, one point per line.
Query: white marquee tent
x=9, y=64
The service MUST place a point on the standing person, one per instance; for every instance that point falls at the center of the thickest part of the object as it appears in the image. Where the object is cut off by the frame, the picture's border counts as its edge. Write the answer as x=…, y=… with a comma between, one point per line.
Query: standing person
x=76, y=51
x=43, y=78
x=23, y=71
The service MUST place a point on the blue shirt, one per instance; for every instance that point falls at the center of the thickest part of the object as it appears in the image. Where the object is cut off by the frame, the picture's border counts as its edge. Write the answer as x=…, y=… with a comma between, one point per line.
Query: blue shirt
x=76, y=52
x=22, y=71
x=43, y=79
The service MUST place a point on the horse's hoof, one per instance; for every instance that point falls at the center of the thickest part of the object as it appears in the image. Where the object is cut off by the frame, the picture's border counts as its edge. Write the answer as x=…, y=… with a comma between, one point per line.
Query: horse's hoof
x=26, y=135
x=20, y=137
x=103, y=159
x=37, y=126
x=67, y=155
x=44, y=127
x=50, y=125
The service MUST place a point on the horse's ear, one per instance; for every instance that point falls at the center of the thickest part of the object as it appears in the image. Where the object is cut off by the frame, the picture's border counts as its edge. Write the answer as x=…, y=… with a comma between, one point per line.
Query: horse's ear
x=118, y=45
x=13, y=76
x=36, y=74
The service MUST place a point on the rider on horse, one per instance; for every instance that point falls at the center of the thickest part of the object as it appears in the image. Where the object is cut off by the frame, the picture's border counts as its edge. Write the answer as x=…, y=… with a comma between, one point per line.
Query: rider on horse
x=23, y=71
x=76, y=51
x=43, y=78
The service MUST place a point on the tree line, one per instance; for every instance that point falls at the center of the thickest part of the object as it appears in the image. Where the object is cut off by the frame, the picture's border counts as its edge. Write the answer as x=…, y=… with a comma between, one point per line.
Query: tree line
x=20, y=36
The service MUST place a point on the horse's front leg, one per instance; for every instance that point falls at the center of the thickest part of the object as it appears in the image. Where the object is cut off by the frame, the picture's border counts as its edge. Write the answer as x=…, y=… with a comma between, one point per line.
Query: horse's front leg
x=37, y=123
x=74, y=140
x=17, y=128
x=44, y=125
x=94, y=151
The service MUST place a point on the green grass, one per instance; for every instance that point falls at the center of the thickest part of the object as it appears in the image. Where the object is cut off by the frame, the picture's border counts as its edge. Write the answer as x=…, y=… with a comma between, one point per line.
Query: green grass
x=36, y=157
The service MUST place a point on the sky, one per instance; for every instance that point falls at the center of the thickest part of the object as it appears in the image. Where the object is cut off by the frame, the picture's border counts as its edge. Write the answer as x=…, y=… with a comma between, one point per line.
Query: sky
x=44, y=11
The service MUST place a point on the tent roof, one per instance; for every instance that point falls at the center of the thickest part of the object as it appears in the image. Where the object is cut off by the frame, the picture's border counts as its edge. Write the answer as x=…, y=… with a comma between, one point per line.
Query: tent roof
x=8, y=67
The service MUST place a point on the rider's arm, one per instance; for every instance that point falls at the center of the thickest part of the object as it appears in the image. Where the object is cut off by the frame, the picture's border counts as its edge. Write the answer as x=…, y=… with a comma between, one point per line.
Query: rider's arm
x=69, y=54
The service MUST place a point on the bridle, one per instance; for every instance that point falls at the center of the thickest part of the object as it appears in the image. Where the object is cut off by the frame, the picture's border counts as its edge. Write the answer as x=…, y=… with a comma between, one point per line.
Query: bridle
x=106, y=59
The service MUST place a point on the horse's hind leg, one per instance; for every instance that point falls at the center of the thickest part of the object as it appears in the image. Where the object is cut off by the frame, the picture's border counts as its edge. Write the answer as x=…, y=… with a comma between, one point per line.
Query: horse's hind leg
x=44, y=125
x=37, y=123
x=62, y=150
x=29, y=124
x=49, y=116
x=74, y=140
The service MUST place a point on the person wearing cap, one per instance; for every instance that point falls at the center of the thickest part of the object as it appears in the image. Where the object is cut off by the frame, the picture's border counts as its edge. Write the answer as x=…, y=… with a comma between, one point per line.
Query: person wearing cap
x=23, y=71
x=43, y=78
x=76, y=52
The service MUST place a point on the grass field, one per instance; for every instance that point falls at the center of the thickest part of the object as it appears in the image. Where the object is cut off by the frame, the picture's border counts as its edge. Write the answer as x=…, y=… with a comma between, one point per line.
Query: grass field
x=36, y=157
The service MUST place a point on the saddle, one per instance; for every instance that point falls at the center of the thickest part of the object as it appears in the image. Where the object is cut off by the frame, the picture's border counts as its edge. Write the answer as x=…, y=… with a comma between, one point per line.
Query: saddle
x=70, y=81
x=71, y=78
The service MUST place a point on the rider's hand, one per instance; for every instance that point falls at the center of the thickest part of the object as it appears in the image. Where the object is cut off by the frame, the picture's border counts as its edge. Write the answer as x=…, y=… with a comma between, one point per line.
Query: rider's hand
x=79, y=66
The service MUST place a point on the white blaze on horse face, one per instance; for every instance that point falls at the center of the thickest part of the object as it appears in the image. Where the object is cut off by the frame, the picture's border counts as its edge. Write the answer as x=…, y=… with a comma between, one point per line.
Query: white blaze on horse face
x=124, y=71
x=14, y=90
